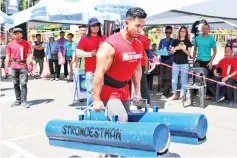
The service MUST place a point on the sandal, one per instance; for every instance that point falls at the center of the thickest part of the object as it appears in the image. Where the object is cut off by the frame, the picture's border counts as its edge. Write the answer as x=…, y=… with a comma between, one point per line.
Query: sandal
x=181, y=97
x=175, y=97
x=208, y=98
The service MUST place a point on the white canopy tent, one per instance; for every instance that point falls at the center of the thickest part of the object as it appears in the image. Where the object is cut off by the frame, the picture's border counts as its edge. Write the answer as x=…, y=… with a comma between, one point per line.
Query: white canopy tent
x=216, y=12
x=5, y=20
x=78, y=11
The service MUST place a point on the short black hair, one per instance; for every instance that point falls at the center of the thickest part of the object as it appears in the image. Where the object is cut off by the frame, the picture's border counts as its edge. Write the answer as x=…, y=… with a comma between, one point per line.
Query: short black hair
x=38, y=35
x=207, y=25
x=70, y=34
x=136, y=12
x=82, y=26
x=168, y=28
x=154, y=44
x=61, y=32
x=228, y=45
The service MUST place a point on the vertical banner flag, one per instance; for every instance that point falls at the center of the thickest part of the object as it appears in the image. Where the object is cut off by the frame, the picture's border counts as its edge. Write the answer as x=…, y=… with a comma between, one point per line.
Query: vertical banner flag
x=12, y=6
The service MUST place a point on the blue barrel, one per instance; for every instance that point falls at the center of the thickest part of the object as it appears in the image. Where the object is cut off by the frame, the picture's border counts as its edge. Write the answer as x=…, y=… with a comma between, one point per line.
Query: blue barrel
x=180, y=124
x=142, y=136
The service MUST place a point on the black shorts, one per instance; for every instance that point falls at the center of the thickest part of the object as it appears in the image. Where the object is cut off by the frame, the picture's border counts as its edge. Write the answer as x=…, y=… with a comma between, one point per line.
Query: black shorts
x=69, y=58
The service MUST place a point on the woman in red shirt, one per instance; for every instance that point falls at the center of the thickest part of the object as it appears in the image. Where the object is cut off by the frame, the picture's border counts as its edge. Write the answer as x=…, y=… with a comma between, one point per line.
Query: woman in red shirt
x=88, y=46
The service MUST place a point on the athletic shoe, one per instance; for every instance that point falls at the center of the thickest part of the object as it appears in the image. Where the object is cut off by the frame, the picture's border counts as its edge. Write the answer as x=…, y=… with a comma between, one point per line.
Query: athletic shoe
x=230, y=102
x=163, y=97
x=51, y=79
x=57, y=79
x=16, y=103
x=25, y=104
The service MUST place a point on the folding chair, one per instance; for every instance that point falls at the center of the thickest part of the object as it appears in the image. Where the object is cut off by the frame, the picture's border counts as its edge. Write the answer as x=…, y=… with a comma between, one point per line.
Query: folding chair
x=196, y=83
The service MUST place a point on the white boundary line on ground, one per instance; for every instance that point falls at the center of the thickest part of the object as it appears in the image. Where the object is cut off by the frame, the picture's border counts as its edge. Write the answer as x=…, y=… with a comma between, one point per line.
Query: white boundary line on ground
x=16, y=155
x=18, y=149
x=23, y=137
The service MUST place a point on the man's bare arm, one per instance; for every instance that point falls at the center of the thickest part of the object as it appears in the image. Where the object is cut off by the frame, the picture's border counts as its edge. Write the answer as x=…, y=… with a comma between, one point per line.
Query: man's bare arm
x=81, y=53
x=104, y=59
x=194, y=53
x=7, y=60
x=136, y=79
x=213, y=55
x=37, y=47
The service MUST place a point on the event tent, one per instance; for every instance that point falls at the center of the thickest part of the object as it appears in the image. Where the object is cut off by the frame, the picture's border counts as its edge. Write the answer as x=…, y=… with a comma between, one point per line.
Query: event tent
x=216, y=12
x=78, y=11
x=5, y=19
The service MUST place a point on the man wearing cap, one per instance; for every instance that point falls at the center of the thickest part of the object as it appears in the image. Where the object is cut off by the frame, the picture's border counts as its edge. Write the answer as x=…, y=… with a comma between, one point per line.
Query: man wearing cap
x=18, y=52
x=88, y=46
x=61, y=43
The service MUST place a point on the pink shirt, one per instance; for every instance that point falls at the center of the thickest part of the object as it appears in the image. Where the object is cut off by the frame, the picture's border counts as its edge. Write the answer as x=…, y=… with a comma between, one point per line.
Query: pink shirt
x=14, y=50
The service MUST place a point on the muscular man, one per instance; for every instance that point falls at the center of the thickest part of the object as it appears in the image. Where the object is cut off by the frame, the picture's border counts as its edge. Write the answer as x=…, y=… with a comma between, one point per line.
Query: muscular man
x=119, y=61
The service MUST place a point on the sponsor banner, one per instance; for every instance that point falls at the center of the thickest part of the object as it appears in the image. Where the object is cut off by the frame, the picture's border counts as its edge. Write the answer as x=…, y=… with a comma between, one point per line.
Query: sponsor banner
x=12, y=6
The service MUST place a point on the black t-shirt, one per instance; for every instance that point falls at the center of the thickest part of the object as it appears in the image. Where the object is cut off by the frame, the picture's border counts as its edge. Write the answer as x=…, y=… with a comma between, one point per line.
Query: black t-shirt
x=179, y=56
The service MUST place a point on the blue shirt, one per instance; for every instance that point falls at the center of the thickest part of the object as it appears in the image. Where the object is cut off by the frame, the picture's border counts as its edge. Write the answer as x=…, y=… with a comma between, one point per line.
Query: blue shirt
x=204, y=45
x=51, y=46
x=70, y=48
x=166, y=45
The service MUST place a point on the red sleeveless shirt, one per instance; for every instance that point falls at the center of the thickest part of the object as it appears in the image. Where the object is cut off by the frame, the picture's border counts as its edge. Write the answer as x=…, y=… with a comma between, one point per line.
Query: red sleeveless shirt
x=126, y=58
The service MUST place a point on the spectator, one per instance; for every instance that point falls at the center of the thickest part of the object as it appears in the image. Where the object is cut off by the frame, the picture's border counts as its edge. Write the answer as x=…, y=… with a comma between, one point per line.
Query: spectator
x=52, y=51
x=61, y=43
x=76, y=60
x=144, y=84
x=18, y=52
x=153, y=48
x=165, y=71
x=69, y=48
x=38, y=54
x=203, y=44
x=88, y=47
x=225, y=71
x=181, y=47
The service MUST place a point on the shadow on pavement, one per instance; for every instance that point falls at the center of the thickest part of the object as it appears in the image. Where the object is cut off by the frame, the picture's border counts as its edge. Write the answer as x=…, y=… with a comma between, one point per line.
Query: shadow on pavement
x=5, y=89
x=174, y=155
x=2, y=95
x=39, y=101
x=75, y=156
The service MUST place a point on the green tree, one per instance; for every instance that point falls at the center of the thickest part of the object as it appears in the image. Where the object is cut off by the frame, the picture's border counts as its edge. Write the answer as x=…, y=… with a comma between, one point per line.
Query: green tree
x=23, y=4
x=3, y=6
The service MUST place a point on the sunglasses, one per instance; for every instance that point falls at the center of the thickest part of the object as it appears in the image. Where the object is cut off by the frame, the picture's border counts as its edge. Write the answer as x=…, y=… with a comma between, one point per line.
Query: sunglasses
x=168, y=32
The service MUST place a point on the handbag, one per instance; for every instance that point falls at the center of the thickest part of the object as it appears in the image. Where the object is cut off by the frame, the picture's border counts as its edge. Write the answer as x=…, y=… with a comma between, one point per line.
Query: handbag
x=46, y=71
x=61, y=59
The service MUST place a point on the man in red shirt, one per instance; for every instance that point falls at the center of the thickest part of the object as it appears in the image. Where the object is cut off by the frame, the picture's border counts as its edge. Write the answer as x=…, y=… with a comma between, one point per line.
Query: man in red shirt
x=144, y=64
x=88, y=46
x=17, y=53
x=226, y=71
x=118, y=61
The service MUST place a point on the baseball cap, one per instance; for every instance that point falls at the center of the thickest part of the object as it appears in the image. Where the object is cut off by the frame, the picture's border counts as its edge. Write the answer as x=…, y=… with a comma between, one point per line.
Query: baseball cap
x=17, y=30
x=93, y=21
x=51, y=35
